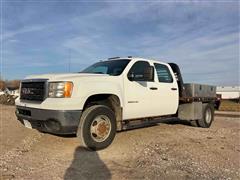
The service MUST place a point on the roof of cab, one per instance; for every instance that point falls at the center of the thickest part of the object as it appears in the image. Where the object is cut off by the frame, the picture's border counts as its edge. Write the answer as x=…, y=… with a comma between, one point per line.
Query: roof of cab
x=136, y=58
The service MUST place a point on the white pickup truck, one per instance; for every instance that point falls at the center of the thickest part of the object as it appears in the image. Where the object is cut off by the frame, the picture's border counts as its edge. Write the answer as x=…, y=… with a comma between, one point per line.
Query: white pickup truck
x=110, y=96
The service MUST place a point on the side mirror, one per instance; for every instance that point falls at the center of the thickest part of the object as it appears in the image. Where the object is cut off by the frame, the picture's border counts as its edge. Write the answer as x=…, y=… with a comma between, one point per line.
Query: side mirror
x=131, y=76
x=149, y=73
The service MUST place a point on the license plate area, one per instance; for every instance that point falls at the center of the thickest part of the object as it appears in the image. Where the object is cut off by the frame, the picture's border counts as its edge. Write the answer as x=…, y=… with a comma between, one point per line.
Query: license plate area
x=24, y=112
x=27, y=124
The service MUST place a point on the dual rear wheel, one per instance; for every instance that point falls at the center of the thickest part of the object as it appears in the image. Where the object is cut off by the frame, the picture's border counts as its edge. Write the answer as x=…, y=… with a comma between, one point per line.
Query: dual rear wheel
x=207, y=117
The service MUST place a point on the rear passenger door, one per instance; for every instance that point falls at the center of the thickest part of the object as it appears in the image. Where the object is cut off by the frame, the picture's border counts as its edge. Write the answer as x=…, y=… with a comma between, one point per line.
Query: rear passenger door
x=167, y=90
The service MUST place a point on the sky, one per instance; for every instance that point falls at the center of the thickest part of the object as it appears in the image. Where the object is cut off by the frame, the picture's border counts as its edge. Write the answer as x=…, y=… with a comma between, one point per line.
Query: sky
x=202, y=37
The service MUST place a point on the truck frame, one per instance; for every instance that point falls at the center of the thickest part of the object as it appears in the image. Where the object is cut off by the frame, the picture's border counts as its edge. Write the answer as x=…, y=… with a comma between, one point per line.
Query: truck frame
x=110, y=96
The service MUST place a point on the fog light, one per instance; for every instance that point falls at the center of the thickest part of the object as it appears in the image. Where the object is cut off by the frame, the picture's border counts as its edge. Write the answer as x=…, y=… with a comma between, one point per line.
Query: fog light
x=52, y=125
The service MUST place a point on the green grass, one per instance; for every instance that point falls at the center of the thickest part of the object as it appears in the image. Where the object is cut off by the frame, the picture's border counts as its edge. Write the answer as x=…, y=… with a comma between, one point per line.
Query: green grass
x=229, y=105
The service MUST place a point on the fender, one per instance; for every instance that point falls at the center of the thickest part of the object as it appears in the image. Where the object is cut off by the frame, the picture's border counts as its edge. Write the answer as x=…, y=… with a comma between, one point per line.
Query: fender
x=100, y=87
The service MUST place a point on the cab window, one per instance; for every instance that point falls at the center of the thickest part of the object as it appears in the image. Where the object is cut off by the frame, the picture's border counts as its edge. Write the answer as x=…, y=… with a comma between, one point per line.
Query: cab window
x=163, y=73
x=136, y=72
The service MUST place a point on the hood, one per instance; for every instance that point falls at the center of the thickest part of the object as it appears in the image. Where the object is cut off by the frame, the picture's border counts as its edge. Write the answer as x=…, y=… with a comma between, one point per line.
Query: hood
x=65, y=76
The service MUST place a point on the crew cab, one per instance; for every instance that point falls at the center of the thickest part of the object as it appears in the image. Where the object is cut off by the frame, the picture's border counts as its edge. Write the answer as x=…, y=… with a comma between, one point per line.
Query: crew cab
x=110, y=96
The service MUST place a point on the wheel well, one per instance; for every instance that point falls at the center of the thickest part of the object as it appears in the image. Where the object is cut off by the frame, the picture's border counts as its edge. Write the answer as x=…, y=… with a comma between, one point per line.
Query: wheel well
x=110, y=100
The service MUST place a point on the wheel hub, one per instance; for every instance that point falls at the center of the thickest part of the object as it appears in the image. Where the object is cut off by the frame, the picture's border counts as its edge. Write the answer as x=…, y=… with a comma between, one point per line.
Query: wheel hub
x=100, y=128
x=208, y=116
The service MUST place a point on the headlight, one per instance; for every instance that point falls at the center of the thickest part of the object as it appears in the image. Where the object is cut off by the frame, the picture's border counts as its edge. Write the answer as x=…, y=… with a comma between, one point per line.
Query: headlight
x=60, y=89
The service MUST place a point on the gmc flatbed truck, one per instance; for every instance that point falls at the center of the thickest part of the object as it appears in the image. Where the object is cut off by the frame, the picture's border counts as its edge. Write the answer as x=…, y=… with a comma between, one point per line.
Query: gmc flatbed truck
x=110, y=96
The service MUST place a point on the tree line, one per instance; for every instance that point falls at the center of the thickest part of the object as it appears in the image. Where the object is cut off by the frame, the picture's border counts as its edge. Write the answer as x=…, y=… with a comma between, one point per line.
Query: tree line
x=14, y=84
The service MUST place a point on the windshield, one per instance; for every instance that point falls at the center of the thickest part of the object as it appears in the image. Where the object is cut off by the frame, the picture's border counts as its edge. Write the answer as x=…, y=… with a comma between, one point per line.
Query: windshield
x=113, y=68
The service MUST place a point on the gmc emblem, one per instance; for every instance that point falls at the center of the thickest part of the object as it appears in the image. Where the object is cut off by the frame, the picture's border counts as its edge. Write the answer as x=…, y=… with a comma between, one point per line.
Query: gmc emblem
x=26, y=91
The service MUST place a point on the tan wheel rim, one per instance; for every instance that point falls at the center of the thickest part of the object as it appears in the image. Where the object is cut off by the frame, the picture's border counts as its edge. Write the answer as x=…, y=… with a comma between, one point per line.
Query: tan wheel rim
x=100, y=128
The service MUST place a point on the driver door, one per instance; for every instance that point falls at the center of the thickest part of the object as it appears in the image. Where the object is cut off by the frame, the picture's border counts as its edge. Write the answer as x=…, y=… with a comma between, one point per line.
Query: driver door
x=138, y=95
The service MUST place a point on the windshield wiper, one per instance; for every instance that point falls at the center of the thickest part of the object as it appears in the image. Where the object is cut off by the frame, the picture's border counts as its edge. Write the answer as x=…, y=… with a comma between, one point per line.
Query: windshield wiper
x=97, y=72
x=92, y=72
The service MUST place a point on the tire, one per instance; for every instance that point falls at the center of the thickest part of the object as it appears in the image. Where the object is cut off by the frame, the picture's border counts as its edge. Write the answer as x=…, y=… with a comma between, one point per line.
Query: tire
x=97, y=127
x=208, y=116
x=194, y=123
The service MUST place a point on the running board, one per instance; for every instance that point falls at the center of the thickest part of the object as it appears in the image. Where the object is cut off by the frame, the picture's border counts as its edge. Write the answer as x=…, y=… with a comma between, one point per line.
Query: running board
x=134, y=124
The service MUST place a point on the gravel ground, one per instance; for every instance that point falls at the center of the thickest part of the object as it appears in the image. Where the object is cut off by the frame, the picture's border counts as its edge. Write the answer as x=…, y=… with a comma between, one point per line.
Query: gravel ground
x=7, y=99
x=170, y=150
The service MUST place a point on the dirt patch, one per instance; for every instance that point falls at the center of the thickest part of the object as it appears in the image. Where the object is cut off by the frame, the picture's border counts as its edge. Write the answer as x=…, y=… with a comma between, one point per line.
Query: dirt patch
x=166, y=151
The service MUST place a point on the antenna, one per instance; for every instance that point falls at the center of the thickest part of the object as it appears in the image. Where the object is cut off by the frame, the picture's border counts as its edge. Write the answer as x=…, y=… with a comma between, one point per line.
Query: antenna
x=69, y=60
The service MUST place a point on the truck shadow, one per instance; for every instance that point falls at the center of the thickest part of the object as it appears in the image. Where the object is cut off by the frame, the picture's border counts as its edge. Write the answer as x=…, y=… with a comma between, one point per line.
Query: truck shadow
x=86, y=165
x=176, y=121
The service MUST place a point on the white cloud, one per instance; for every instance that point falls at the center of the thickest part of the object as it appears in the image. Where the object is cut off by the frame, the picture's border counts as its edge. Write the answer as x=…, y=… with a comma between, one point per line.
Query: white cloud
x=27, y=29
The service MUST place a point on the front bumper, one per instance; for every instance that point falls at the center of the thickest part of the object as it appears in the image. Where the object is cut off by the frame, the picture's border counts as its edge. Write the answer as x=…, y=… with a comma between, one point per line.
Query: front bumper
x=51, y=121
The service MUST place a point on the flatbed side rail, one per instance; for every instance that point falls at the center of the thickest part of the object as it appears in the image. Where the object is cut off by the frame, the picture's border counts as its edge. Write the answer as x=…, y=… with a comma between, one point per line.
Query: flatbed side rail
x=196, y=99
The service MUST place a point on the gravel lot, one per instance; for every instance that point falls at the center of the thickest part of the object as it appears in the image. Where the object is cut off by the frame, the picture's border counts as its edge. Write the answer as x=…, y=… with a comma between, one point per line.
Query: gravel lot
x=165, y=151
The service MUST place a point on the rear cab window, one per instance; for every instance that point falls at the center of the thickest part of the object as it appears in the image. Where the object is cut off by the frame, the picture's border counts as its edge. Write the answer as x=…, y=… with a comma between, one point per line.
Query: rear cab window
x=163, y=73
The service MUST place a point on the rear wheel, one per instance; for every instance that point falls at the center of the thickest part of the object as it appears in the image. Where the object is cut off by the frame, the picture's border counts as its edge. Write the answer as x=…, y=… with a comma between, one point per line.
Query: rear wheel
x=194, y=123
x=208, y=116
x=97, y=127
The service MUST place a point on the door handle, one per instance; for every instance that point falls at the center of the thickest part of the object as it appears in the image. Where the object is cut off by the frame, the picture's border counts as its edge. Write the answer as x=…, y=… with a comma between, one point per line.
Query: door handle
x=174, y=89
x=153, y=88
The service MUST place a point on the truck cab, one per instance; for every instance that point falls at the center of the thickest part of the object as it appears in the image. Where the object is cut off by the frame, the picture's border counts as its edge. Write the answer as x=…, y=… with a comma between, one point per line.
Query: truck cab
x=109, y=96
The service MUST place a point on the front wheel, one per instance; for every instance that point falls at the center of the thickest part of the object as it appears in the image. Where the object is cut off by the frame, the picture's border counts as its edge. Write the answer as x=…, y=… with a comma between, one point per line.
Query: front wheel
x=97, y=127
